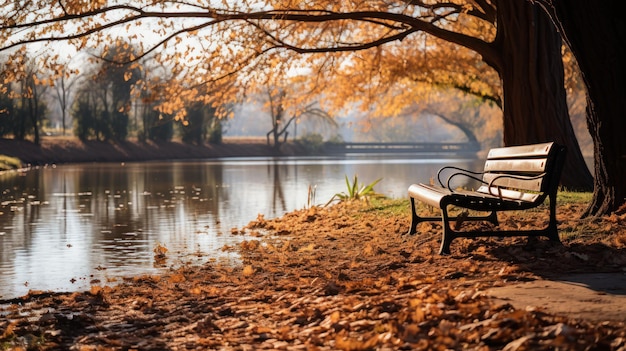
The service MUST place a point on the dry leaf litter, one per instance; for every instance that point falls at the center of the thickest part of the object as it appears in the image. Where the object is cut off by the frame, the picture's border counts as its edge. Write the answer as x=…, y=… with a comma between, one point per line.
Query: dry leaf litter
x=344, y=277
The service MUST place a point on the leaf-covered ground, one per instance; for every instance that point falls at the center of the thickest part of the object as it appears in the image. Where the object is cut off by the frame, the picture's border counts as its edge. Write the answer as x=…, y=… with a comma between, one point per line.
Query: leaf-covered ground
x=339, y=278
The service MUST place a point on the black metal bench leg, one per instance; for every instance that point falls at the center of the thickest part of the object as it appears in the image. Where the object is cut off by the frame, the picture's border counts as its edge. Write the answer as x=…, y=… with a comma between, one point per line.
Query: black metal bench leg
x=414, y=218
x=448, y=233
x=552, y=231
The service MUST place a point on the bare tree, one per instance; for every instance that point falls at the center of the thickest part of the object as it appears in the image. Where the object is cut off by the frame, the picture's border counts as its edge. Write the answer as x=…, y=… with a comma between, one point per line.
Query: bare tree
x=63, y=93
x=282, y=117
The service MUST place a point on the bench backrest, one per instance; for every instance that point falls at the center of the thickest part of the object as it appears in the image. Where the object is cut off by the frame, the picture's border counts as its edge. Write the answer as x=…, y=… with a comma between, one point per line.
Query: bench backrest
x=527, y=172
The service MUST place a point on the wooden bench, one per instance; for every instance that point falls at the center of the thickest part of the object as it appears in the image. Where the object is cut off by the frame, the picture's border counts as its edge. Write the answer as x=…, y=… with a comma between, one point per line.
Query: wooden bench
x=514, y=178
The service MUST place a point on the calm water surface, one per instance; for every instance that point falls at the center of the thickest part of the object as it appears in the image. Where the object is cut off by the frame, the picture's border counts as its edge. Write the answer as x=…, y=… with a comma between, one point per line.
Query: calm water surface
x=68, y=227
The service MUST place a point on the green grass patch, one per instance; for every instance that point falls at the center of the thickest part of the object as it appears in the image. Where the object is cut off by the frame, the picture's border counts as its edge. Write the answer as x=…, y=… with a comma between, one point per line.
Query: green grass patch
x=572, y=197
x=389, y=207
x=393, y=207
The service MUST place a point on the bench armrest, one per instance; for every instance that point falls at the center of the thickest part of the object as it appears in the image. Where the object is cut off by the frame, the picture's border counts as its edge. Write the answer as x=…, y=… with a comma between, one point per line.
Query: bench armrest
x=461, y=172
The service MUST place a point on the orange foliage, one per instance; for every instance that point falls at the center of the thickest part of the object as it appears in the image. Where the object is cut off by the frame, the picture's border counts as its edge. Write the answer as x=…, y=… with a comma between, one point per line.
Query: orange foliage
x=372, y=53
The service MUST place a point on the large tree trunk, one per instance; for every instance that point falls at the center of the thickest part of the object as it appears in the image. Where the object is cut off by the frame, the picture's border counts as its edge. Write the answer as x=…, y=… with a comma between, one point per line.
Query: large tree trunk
x=535, y=105
x=596, y=34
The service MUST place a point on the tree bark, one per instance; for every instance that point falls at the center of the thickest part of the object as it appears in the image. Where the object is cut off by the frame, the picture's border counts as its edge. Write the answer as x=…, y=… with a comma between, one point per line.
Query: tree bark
x=535, y=105
x=596, y=34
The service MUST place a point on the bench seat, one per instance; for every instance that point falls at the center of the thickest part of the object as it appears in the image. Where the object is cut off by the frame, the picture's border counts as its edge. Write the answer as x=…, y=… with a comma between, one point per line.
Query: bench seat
x=437, y=196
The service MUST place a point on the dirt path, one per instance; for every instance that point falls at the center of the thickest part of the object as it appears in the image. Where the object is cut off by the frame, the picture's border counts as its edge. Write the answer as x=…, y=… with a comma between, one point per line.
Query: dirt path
x=593, y=296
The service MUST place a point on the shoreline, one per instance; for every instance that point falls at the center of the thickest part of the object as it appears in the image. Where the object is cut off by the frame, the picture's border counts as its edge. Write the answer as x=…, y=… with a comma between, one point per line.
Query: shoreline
x=67, y=150
x=63, y=150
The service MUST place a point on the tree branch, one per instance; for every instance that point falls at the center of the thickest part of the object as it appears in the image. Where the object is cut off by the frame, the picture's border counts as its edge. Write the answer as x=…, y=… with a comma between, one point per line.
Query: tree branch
x=395, y=21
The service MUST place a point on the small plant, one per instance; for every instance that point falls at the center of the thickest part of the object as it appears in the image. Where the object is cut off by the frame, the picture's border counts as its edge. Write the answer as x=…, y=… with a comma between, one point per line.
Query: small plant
x=312, y=143
x=310, y=202
x=8, y=162
x=356, y=191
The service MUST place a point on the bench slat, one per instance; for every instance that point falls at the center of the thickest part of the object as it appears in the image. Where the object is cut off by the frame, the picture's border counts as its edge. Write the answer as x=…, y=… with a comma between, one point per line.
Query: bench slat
x=523, y=184
x=536, y=150
x=509, y=194
x=428, y=194
x=517, y=165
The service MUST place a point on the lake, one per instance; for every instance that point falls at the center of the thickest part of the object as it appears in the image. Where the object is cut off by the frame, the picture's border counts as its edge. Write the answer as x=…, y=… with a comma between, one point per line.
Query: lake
x=67, y=227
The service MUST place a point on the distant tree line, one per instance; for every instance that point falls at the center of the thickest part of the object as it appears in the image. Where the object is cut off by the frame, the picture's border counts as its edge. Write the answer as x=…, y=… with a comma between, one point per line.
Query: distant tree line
x=110, y=101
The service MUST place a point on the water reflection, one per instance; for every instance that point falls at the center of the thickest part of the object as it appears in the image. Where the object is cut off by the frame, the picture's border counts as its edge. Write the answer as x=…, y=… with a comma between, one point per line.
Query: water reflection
x=67, y=227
